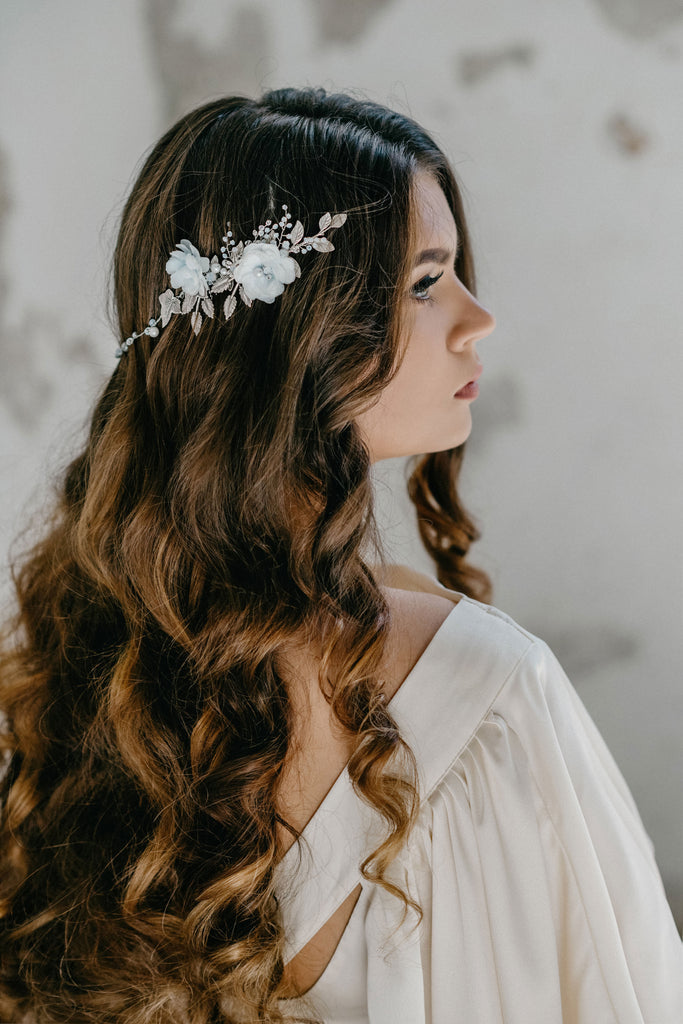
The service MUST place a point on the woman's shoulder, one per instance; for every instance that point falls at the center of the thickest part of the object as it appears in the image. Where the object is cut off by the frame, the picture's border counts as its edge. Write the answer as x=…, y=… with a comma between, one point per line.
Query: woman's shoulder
x=483, y=677
x=416, y=617
x=420, y=607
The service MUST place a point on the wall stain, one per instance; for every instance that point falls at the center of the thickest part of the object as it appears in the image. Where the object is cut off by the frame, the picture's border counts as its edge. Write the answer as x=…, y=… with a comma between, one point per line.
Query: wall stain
x=640, y=17
x=628, y=136
x=346, y=22
x=584, y=650
x=32, y=353
x=474, y=66
x=190, y=72
x=24, y=390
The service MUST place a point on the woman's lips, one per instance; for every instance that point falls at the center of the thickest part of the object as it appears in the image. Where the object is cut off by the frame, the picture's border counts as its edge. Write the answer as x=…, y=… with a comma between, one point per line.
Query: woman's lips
x=471, y=389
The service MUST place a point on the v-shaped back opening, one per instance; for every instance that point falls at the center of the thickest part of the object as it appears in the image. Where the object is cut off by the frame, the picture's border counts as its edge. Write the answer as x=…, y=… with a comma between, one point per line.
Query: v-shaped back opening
x=437, y=709
x=416, y=670
x=322, y=867
x=334, y=941
x=316, y=968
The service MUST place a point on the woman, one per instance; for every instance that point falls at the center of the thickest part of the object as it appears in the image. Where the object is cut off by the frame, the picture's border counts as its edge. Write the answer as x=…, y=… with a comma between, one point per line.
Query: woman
x=252, y=776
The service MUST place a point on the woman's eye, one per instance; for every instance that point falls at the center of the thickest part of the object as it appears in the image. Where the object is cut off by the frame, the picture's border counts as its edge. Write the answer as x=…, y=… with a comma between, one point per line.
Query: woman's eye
x=420, y=290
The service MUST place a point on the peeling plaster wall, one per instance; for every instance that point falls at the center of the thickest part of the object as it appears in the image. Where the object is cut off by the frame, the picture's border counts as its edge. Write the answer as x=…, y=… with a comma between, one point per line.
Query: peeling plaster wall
x=563, y=121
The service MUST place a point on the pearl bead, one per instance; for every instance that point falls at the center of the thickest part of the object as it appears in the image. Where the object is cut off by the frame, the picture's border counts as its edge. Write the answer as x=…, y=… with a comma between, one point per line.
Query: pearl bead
x=153, y=332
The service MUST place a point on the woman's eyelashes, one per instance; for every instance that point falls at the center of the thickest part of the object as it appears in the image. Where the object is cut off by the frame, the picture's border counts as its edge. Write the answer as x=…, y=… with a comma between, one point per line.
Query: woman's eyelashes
x=420, y=289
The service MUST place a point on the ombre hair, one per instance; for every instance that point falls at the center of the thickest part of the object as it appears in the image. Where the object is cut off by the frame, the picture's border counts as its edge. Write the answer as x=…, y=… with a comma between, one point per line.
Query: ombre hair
x=219, y=512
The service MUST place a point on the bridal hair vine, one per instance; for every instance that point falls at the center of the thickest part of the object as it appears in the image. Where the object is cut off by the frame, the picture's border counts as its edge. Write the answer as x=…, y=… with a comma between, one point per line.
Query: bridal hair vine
x=256, y=269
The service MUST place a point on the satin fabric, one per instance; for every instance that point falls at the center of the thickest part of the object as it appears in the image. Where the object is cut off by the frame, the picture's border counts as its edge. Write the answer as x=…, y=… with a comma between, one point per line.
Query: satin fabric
x=542, y=901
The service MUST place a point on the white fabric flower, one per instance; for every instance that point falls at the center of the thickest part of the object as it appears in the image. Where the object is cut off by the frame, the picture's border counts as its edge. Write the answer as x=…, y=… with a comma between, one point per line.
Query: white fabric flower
x=187, y=269
x=263, y=270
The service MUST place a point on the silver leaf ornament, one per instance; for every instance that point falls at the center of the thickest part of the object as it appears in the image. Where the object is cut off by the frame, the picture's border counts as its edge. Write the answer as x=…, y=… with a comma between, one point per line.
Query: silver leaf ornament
x=322, y=244
x=169, y=305
x=222, y=284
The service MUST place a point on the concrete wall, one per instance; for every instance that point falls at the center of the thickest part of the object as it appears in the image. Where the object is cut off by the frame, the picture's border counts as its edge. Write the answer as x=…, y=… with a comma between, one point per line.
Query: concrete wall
x=563, y=121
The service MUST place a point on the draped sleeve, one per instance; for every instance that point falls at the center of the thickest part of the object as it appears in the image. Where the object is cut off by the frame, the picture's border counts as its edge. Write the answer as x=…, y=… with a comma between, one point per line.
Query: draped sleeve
x=542, y=901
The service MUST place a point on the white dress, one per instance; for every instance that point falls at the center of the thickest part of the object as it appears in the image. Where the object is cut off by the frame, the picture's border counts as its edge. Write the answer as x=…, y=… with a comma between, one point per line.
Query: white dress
x=541, y=897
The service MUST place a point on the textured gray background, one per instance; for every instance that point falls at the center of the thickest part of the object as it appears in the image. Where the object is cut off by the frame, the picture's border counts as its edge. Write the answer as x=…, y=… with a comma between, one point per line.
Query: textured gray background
x=564, y=122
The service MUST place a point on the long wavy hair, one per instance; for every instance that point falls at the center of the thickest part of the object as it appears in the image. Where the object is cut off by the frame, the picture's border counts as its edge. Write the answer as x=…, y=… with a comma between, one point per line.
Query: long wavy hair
x=218, y=513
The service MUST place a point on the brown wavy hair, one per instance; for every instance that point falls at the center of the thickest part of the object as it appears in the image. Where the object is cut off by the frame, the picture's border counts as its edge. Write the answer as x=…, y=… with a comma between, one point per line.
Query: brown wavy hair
x=217, y=513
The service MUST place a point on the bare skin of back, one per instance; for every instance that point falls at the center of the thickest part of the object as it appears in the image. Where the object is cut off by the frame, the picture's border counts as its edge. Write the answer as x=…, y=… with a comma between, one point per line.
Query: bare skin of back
x=323, y=748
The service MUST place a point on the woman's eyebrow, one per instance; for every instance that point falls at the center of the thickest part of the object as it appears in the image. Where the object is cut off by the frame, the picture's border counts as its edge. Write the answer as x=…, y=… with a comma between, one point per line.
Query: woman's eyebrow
x=435, y=256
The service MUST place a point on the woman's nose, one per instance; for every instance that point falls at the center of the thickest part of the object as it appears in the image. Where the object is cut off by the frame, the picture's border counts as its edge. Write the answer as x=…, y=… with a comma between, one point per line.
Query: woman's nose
x=473, y=321
x=488, y=322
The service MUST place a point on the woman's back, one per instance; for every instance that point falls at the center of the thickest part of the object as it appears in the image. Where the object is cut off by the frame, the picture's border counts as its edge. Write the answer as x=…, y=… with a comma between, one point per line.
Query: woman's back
x=322, y=749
